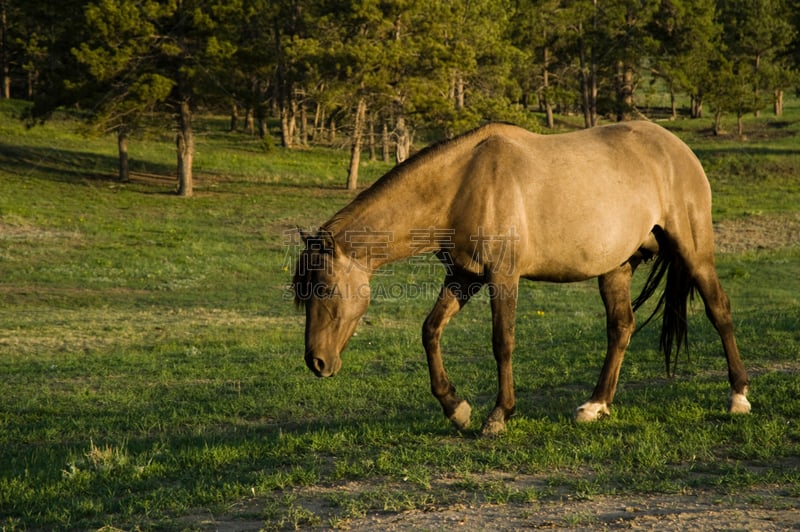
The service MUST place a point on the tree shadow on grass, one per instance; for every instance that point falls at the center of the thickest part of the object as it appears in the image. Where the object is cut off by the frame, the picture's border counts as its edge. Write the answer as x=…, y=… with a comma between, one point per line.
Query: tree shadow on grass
x=77, y=167
x=716, y=151
x=70, y=166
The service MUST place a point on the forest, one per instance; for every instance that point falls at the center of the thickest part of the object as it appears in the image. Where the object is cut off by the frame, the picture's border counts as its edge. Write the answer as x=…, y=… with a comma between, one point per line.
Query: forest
x=374, y=74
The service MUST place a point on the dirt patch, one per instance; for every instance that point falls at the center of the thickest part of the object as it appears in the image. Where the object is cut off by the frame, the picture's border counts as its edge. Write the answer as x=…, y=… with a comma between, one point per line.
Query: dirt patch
x=86, y=330
x=773, y=231
x=19, y=232
x=760, y=510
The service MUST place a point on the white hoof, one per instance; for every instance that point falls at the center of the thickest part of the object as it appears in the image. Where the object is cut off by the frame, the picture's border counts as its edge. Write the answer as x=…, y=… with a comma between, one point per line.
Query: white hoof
x=739, y=404
x=460, y=417
x=590, y=411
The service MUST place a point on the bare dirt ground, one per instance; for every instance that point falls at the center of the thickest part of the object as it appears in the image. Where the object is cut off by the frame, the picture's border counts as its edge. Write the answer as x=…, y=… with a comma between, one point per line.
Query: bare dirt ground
x=772, y=231
x=761, y=510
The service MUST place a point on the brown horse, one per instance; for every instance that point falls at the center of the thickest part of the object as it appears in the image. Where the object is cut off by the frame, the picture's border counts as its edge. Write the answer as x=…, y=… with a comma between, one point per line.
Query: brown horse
x=500, y=203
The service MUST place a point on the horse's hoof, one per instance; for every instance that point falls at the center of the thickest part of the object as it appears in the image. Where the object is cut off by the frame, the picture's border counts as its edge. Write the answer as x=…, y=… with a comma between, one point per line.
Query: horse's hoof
x=588, y=412
x=493, y=428
x=461, y=415
x=739, y=404
x=495, y=424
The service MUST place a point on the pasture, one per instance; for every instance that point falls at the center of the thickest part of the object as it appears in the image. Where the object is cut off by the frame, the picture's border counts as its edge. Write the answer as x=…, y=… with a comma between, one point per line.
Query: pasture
x=151, y=369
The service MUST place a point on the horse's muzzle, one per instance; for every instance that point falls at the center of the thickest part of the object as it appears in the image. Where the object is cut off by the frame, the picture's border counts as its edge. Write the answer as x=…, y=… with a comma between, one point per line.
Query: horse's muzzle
x=321, y=367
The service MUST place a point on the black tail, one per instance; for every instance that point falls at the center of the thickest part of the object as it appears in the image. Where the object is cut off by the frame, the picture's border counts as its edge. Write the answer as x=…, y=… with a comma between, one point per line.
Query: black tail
x=673, y=301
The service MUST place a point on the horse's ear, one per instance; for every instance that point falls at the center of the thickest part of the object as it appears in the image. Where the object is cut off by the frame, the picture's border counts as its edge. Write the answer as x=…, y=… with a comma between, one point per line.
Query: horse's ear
x=322, y=241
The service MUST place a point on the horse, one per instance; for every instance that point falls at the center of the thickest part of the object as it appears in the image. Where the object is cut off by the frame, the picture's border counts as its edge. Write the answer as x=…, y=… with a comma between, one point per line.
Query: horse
x=500, y=203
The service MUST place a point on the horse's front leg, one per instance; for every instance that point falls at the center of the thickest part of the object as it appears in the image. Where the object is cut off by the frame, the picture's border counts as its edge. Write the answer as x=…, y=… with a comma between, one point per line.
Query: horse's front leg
x=455, y=294
x=615, y=289
x=503, y=295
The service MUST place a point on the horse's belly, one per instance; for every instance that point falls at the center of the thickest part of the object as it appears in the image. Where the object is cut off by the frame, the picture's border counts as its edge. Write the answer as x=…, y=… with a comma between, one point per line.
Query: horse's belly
x=592, y=233
x=582, y=256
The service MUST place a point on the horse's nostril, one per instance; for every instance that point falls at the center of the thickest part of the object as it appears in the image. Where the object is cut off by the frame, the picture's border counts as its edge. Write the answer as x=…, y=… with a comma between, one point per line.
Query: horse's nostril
x=319, y=365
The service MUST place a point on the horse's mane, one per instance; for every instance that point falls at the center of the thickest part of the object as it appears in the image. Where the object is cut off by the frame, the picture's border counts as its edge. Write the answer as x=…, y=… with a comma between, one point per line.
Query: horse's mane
x=301, y=281
x=403, y=169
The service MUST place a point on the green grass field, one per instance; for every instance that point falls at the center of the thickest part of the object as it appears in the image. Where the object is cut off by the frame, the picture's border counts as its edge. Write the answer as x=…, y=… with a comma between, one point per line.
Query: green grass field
x=151, y=369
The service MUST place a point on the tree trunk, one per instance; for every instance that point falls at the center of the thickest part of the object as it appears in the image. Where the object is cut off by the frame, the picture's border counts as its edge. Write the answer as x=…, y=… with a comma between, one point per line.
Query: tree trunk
x=122, y=148
x=627, y=89
x=258, y=121
x=718, y=123
x=386, y=143
x=373, y=153
x=460, y=92
x=756, y=92
x=673, y=105
x=294, y=130
x=303, y=125
x=403, y=141
x=777, y=102
x=33, y=75
x=697, y=106
x=740, y=124
x=234, y=117
x=286, y=136
x=585, y=103
x=319, y=124
x=451, y=92
x=5, y=70
x=588, y=68
x=288, y=124
x=332, y=131
x=548, y=105
x=358, y=136
x=249, y=121
x=588, y=86
x=624, y=91
x=315, y=131
x=185, y=144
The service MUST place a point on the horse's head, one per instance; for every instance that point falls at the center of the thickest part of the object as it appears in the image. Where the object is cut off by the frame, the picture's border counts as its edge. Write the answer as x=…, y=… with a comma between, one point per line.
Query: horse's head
x=334, y=289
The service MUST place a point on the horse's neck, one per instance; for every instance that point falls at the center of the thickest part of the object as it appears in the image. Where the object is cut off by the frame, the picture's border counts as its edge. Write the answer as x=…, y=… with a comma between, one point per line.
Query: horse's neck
x=399, y=220
x=407, y=211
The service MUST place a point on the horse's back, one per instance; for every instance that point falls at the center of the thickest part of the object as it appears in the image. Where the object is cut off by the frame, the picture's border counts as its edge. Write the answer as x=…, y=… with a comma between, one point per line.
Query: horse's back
x=579, y=204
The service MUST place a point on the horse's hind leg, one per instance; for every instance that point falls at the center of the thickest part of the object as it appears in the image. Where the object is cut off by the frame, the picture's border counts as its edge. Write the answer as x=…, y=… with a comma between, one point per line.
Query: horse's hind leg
x=615, y=289
x=455, y=293
x=718, y=310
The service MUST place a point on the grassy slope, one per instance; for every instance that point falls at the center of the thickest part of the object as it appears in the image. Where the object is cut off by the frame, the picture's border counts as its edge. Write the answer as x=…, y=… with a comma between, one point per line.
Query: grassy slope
x=152, y=370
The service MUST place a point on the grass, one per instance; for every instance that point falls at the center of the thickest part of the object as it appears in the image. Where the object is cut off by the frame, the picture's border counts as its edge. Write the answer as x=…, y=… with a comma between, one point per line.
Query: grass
x=153, y=377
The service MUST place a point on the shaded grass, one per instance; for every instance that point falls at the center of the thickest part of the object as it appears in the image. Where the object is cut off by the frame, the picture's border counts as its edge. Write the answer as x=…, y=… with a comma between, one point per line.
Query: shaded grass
x=153, y=366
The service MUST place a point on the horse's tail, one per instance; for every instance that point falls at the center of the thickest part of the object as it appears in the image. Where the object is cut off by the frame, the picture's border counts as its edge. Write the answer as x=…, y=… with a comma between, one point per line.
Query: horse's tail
x=673, y=301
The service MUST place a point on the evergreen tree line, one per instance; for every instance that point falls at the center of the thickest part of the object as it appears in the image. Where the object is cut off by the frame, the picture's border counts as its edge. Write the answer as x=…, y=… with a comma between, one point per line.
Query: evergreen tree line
x=371, y=73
